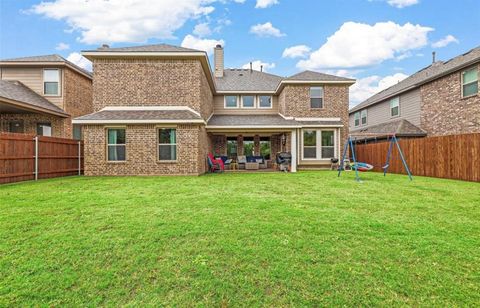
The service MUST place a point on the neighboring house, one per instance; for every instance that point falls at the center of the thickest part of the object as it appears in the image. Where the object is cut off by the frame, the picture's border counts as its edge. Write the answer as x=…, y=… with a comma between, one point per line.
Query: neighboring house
x=159, y=109
x=441, y=99
x=41, y=94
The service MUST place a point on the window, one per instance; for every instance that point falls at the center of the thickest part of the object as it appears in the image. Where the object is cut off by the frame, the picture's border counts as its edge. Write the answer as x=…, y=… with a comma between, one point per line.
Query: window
x=15, y=127
x=77, y=132
x=328, y=144
x=51, y=81
x=395, y=107
x=316, y=97
x=356, y=118
x=248, y=146
x=265, y=147
x=310, y=144
x=44, y=129
x=232, y=147
x=116, y=144
x=265, y=101
x=167, y=144
x=364, y=116
x=248, y=101
x=319, y=144
x=231, y=101
x=469, y=82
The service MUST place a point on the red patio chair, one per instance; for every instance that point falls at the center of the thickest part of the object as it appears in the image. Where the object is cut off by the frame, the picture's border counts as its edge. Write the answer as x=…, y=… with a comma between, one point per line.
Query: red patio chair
x=215, y=164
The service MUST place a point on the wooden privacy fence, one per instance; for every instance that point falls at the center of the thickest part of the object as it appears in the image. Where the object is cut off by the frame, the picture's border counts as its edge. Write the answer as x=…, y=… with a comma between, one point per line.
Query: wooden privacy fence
x=28, y=157
x=450, y=157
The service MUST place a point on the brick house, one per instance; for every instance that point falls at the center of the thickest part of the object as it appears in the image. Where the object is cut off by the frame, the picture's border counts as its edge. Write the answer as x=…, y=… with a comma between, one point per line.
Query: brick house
x=160, y=109
x=41, y=94
x=441, y=99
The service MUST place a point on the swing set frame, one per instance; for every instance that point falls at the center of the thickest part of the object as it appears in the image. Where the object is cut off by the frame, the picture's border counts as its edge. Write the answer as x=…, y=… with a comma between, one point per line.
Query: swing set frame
x=393, y=140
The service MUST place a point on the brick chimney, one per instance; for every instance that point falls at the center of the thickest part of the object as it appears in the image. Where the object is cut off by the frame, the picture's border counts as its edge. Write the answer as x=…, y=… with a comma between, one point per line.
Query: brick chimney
x=218, y=59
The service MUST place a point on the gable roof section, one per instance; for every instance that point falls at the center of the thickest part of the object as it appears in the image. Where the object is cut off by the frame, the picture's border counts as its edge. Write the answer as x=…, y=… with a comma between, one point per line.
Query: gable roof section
x=432, y=72
x=247, y=80
x=316, y=76
x=249, y=121
x=400, y=127
x=46, y=59
x=16, y=93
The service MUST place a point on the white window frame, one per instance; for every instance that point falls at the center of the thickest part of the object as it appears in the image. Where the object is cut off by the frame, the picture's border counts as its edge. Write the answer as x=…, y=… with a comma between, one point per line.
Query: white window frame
x=318, y=143
x=59, y=93
x=356, y=116
x=361, y=117
x=225, y=102
x=108, y=144
x=169, y=144
x=271, y=102
x=477, y=81
x=322, y=97
x=397, y=99
x=254, y=102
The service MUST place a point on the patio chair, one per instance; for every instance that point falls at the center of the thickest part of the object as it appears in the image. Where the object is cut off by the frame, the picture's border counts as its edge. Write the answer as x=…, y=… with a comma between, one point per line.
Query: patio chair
x=215, y=164
x=241, y=160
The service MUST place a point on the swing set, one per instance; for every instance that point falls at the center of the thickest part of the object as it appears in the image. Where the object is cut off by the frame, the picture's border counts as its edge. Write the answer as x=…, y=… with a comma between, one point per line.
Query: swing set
x=358, y=166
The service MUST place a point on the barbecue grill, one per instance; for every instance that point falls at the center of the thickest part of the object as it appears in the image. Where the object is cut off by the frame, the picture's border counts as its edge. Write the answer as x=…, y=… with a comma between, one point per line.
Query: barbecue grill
x=283, y=160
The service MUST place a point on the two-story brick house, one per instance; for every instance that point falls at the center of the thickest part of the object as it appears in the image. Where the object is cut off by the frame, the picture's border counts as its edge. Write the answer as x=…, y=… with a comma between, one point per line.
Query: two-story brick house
x=441, y=99
x=41, y=94
x=159, y=109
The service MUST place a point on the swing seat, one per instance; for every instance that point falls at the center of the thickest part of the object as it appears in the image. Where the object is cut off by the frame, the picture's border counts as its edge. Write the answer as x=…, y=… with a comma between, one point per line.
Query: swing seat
x=386, y=166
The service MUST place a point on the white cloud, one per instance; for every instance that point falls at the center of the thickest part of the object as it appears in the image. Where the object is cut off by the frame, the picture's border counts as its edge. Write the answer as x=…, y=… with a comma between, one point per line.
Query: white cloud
x=445, y=41
x=266, y=29
x=362, y=45
x=100, y=21
x=62, y=46
x=368, y=86
x=402, y=3
x=262, y=4
x=298, y=51
x=257, y=64
x=207, y=45
x=80, y=60
x=202, y=30
x=239, y=1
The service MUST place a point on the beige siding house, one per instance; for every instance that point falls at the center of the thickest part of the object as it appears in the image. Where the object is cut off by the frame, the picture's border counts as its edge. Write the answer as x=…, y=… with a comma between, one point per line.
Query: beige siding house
x=440, y=99
x=41, y=95
x=160, y=109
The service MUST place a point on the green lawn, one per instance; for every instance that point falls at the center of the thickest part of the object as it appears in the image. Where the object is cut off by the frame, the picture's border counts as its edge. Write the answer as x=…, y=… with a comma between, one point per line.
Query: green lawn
x=272, y=239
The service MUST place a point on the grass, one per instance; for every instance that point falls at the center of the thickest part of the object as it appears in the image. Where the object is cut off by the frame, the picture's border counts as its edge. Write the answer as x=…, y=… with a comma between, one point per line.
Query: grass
x=305, y=239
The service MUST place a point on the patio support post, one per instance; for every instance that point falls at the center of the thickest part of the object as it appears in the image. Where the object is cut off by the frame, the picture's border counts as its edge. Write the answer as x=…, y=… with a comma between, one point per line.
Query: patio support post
x=36, y=158
x=293, y=150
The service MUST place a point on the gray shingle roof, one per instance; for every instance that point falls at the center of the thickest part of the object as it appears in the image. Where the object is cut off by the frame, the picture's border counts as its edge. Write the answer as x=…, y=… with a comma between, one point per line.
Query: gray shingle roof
x=148, y=48
x=47, y=58
x=429, y=73
x=400, y=127
x=315, y=76
x=246, y=80
x=14, y=90
x=147, y=115
x=250, y=120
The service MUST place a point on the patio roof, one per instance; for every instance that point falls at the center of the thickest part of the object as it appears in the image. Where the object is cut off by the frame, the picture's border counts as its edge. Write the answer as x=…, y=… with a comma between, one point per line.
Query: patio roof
x=250, y=121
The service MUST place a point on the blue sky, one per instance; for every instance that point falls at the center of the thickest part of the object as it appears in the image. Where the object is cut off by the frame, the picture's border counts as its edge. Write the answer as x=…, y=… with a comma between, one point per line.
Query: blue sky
x=376, y=41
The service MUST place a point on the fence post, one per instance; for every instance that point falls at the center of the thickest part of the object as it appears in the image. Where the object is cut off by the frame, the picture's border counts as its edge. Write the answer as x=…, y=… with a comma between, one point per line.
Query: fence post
x=36, y=158
x=79, y=158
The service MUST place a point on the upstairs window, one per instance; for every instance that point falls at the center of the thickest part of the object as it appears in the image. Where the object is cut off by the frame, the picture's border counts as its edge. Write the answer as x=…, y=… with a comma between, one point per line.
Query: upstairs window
x=51, y=82
x=316, y=97
x=356, y=118
x=167, y=144
x=248, y=101
x=231, y=101
x=470, y=82
x=116, y=145
x=363, y=116
x=265, y=101
x=395, y=107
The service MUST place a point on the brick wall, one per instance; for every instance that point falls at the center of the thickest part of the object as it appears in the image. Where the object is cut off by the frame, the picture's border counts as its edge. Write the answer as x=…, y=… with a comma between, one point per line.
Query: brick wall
x=141, y=152
x=30, y=121
x=444, y=111
x=151, y=82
